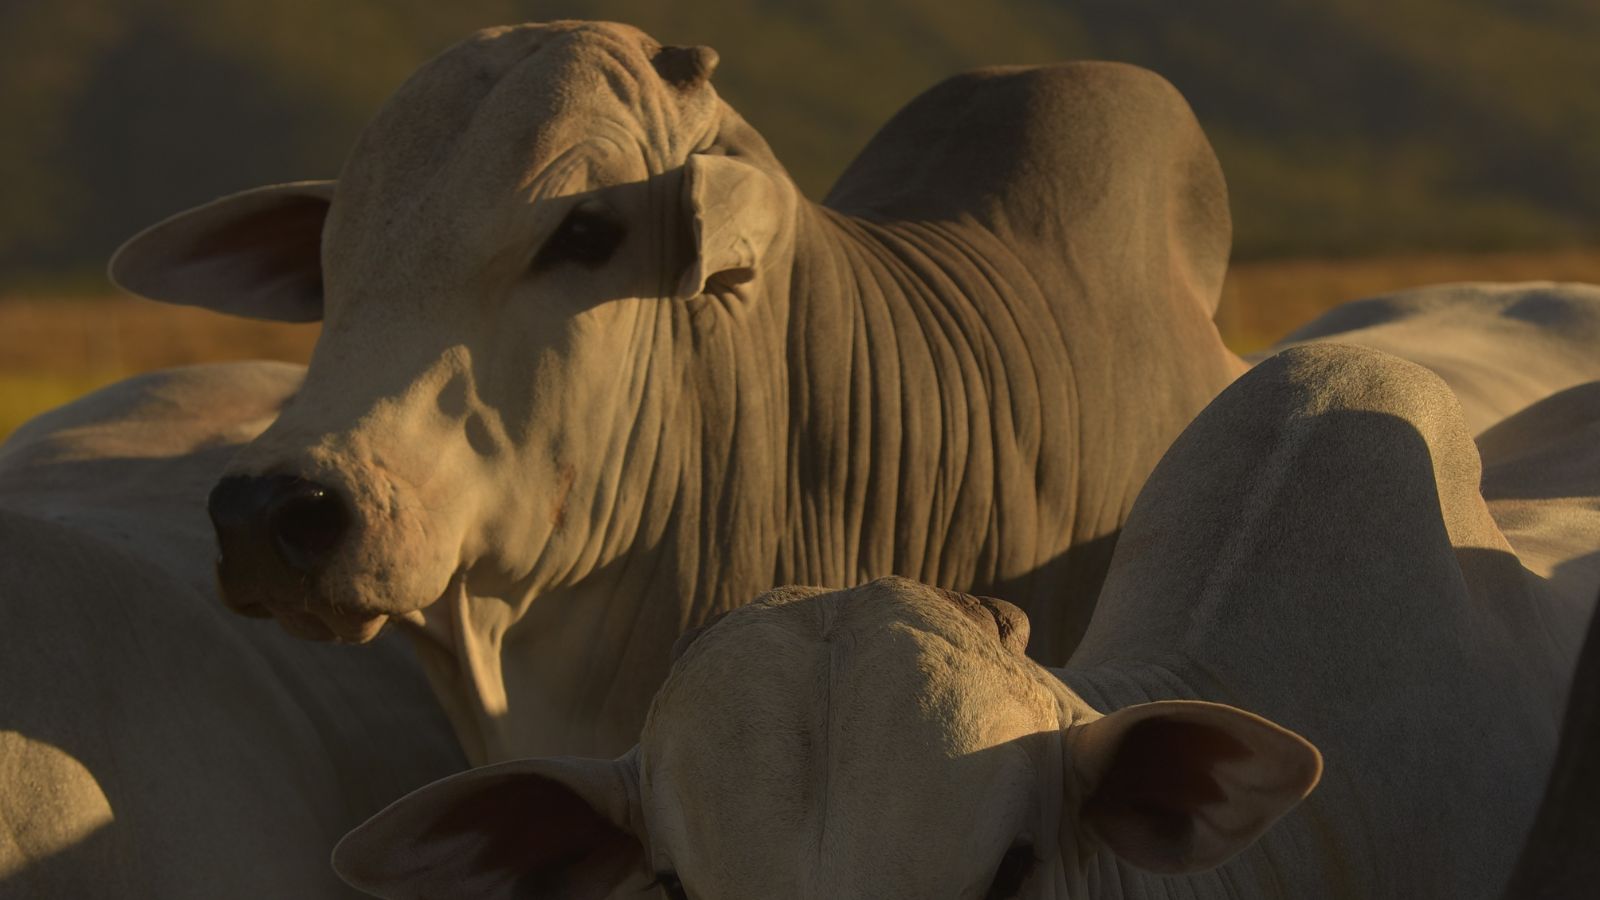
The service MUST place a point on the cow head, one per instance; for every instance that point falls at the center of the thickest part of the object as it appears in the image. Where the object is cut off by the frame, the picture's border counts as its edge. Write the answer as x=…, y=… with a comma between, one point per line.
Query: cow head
x=516, y=270
x=888, y=741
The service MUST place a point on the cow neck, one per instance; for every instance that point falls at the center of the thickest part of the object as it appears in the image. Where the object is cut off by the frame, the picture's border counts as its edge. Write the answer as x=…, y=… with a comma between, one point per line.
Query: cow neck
x=955, y=420
x=571, y=675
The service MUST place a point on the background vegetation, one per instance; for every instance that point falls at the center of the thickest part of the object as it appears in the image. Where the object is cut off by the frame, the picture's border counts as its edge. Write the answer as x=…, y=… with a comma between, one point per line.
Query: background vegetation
x=1347, y=129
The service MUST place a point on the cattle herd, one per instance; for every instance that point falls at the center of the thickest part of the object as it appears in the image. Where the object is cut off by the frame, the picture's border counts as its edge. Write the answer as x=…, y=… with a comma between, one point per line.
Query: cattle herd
x=670, y=509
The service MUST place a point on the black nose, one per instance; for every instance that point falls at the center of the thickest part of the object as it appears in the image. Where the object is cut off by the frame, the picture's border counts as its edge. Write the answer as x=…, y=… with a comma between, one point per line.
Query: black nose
x=282, y=519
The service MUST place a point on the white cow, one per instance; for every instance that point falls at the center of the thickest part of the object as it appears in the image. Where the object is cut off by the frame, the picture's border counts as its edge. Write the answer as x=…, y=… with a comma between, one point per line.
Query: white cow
x=594, y=371
x=151, y=743
x=1314, y=549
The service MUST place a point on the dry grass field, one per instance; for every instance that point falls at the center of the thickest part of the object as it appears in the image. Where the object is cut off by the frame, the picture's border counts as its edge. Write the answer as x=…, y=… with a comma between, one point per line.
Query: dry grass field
x=1263, y=301
x=53, y=349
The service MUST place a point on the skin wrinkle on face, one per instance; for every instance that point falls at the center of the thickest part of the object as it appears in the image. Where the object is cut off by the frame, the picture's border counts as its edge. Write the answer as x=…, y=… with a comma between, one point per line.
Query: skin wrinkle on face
x=569, y=174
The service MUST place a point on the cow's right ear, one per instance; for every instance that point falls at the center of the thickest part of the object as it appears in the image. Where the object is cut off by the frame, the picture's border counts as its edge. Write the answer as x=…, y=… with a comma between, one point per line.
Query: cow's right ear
x=1180, y=786
x=733, y=213
x=536, y=828
x=255, y=254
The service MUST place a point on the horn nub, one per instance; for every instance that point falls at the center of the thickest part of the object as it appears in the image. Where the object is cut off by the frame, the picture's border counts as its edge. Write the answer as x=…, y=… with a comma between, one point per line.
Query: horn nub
x=685, y=67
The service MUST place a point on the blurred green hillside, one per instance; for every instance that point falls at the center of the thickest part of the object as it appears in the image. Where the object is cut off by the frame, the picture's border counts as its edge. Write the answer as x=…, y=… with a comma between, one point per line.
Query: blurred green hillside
x=1344, y=127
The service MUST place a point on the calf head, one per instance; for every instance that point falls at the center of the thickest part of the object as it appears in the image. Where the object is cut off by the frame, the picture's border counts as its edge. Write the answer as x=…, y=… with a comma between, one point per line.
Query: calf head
x=517, y=269
x=887, y=741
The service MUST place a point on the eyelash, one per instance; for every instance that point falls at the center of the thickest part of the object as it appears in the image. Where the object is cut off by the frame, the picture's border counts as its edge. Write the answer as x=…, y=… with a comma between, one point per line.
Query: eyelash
x=584, y=237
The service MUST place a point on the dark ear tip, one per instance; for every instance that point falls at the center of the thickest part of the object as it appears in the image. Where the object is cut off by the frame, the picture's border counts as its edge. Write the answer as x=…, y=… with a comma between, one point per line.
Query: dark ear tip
x=348, y=860
x=123, y=274
x=685, y=67
x=111, y=269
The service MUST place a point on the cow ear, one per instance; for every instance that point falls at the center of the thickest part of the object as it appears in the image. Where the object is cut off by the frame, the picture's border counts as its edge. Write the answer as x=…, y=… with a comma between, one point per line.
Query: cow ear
x=1181, y=786
x=255, y=254
x=540, y=828
x=733, y=212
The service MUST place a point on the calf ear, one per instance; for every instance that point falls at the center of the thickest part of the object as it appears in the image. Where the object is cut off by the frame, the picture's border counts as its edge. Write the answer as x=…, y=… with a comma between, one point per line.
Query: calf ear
x=540, y=828
x=1181, y=786
x=255, y=254
x=733, y=211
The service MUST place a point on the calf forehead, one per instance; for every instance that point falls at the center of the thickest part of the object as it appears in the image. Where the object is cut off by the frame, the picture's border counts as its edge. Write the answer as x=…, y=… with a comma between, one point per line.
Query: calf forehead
x=855, y=819
x=867, y=756
x=477, y=126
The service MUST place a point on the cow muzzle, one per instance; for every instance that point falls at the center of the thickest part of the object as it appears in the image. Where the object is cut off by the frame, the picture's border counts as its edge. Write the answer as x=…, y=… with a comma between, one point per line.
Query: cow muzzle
x=277, y=534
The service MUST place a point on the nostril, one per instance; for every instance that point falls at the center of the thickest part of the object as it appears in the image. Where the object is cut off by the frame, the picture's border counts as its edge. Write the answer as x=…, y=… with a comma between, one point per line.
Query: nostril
x=307, y=521
x=233, y=503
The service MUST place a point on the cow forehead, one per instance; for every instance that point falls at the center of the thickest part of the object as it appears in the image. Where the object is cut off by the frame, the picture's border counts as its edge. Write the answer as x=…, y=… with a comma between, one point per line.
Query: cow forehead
x=478, y=125
x=848, y=745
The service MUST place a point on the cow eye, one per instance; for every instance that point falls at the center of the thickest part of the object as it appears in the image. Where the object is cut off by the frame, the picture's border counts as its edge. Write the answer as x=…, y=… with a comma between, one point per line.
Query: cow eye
x=1012, y=872
x=671, y=886
x=586, y=236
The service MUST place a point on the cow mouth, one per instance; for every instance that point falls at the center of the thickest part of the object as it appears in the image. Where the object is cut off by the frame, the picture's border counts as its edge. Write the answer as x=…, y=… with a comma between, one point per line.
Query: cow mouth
x=332, y=625
x=337, y=627
x=319, y=621
x=311, y=614
x=340, y=626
